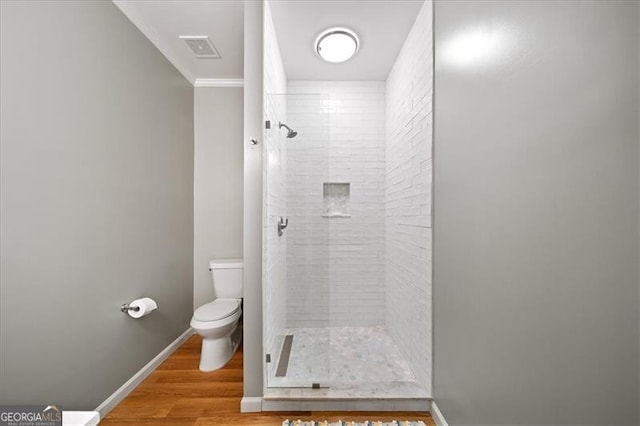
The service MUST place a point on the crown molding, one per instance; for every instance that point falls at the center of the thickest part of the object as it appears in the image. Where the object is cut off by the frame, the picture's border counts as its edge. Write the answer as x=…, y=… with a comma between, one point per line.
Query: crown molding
x=219, y=82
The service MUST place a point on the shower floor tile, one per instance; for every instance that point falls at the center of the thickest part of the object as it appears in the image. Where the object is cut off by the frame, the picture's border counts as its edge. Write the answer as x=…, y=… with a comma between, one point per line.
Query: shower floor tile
x=349, y=360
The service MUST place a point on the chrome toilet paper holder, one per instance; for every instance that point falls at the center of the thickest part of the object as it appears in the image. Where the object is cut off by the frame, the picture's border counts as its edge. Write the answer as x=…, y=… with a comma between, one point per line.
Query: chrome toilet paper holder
x=126, y=308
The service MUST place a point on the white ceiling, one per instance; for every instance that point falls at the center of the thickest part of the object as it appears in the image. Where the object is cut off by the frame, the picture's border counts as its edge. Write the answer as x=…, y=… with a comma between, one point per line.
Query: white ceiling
x=163, y=21
x=382, y=27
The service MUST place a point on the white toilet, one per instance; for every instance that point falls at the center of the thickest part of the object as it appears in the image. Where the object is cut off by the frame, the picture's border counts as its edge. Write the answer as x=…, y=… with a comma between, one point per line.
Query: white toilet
x=217, y=321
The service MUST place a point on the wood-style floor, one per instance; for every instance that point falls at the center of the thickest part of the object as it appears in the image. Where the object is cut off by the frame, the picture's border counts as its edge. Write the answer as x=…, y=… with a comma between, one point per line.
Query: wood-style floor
x=178, y=393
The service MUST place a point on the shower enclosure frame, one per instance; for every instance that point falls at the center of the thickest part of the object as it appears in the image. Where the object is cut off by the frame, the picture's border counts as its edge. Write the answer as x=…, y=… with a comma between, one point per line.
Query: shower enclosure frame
x=306, y=396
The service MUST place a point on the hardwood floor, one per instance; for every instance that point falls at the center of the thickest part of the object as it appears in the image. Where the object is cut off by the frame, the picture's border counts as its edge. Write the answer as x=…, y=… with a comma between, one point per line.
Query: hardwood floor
x=178, y=393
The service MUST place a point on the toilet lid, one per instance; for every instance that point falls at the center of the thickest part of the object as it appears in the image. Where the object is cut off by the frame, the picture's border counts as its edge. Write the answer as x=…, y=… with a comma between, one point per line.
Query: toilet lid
x=216, y=310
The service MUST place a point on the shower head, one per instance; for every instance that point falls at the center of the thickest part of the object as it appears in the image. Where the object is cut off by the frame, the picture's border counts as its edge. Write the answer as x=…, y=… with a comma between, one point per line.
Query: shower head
x=290, y=132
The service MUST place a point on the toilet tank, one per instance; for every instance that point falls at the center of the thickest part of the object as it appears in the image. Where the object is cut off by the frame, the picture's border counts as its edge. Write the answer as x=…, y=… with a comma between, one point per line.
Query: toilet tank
x=227, y=278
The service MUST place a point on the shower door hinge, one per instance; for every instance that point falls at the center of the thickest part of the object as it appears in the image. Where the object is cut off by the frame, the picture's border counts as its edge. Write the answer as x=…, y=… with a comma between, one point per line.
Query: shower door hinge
x=267, y=124
x=268, y=357
x=315, y=386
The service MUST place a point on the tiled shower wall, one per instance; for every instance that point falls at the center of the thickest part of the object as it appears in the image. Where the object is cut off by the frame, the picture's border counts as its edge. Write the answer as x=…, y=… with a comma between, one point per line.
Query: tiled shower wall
x=408, y=197
x=336, y=264
x=275, y=202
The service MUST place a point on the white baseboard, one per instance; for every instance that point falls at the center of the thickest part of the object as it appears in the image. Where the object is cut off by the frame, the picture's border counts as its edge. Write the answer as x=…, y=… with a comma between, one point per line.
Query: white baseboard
x=437, y=415
x=251, y=404
x=124, y=390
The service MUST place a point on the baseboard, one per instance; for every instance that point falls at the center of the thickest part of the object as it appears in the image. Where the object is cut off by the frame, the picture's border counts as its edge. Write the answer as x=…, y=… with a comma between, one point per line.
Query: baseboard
x=437, y=415
x=251, y=404
x=124, y=390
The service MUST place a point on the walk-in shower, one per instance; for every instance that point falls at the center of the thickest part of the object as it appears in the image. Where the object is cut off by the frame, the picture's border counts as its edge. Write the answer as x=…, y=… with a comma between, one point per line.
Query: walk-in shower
x=347, y=286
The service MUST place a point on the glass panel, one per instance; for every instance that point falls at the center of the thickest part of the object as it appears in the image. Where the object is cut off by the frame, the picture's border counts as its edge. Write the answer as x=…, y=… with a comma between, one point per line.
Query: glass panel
x=296, y=272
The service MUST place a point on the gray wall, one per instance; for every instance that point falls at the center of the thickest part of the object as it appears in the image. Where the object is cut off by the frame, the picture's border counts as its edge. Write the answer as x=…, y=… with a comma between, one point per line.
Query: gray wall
x=218, y=187
x=97, y=201
x=536, y=214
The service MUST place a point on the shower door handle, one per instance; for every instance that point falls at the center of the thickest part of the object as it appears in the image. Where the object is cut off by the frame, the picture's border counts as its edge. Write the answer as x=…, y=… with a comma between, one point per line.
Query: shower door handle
x=282, y=225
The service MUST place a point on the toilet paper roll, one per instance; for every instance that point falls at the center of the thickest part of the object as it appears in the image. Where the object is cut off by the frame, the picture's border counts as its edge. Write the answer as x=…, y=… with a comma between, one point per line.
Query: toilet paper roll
x=146, y=305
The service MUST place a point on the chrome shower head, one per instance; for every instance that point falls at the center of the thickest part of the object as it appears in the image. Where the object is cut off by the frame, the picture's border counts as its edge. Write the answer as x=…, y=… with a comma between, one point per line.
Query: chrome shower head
x=290, y=132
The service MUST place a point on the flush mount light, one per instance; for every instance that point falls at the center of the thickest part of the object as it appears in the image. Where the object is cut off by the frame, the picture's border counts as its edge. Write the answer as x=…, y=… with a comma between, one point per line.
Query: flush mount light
x=337, y=44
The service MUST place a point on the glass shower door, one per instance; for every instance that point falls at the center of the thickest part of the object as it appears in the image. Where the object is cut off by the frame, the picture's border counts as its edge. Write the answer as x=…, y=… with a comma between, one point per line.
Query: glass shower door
x=296, y=242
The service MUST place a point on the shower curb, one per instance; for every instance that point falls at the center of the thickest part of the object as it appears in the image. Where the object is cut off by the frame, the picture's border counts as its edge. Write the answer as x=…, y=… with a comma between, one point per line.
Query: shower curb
x=345, y=404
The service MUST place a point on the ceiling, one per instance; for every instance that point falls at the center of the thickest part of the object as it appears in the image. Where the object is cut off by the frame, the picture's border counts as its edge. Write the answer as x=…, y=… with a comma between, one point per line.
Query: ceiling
x=382, y=27
x=163, y=21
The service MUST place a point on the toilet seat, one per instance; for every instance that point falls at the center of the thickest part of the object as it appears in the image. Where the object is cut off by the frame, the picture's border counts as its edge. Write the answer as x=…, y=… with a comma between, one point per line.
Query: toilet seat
x=217, y=310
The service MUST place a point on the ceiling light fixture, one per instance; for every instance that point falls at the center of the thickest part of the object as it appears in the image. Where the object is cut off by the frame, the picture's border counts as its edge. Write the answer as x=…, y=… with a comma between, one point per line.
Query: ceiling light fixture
x=337, y=45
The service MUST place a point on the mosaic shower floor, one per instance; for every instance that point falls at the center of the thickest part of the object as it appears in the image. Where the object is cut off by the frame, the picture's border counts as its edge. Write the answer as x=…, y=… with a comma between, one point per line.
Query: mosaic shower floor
x=346, y=362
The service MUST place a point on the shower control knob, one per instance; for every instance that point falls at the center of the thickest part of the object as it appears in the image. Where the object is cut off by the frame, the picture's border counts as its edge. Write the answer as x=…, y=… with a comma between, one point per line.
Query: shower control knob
x=282, y=225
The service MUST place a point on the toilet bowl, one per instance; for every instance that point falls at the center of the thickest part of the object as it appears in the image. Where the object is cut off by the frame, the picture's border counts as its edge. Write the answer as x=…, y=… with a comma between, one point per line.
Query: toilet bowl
x=217, y=321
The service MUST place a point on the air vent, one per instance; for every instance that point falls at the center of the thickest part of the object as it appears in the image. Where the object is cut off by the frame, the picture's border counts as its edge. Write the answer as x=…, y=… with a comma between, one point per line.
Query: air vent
x=201, y=47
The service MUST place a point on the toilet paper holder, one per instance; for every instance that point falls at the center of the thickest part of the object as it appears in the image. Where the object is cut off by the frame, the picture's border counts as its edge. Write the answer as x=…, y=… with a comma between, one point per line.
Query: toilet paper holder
x=126, y=308
x=139, y=308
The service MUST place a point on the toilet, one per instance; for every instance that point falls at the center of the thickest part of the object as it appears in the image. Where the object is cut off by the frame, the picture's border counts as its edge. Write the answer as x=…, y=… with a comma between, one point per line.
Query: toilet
x=217, y=321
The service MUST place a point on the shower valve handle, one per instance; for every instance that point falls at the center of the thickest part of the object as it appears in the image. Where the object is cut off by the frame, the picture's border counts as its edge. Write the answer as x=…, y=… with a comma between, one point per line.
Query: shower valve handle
x=282, y=225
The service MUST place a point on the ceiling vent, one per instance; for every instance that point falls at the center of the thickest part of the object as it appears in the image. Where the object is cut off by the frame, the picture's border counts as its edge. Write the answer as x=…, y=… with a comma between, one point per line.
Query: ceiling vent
x=202, y=47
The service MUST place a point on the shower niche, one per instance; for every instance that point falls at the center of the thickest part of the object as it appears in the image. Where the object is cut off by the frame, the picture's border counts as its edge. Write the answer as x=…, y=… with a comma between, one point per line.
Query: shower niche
x=336, y=199
x=347, y=287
